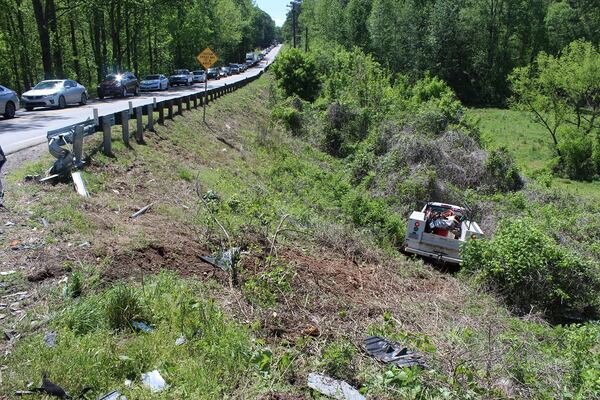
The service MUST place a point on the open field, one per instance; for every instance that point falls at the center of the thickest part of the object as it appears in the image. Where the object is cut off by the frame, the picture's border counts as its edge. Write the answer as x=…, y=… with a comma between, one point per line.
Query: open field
x=529, y=143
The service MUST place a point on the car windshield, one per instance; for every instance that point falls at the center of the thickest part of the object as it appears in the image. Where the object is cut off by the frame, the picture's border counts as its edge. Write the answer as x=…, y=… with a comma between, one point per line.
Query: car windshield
x=198, y=72
x=181, y=72
x=48, y=84
x=152, y=77
x=212, y=70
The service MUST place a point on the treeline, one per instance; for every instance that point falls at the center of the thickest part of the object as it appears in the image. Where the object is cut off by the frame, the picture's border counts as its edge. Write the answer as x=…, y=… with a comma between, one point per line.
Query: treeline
x=84, y=40
x=471, y=44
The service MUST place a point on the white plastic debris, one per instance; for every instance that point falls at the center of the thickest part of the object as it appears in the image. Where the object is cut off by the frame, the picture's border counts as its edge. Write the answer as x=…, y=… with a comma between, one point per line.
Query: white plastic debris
x=4, y=273
x=180, y=340
x=154, y=381
x=128, y=383
x=330, y=387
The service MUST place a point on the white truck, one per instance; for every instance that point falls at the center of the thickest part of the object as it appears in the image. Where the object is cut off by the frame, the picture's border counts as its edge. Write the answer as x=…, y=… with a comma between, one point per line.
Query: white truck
x=439, y=230
x=251, y=58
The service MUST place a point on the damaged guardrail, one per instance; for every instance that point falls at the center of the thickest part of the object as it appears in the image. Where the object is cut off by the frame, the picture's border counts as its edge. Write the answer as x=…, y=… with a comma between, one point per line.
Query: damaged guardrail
x=66, y=144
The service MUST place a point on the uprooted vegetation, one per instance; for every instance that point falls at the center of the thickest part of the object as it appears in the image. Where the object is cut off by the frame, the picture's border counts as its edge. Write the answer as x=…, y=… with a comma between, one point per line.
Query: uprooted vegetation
x=318, y=271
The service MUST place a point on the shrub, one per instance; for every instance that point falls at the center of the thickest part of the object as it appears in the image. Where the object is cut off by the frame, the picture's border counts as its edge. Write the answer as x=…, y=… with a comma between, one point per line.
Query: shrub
x=525, y=265
x=296, y=74
x=337, y=359
x=344, y=127
x=502, y=172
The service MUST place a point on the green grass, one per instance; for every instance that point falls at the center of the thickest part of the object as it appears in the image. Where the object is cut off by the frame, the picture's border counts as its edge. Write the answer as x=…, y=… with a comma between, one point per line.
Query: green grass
x=530, y=144
x=213, y=362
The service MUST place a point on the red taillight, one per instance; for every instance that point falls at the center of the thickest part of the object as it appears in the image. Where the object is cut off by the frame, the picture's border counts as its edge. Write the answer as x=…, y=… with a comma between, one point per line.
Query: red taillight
x=417, y=224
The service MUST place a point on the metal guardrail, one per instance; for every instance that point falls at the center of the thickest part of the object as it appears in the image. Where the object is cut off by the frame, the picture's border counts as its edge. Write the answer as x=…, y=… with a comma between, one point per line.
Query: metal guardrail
x=66, y=144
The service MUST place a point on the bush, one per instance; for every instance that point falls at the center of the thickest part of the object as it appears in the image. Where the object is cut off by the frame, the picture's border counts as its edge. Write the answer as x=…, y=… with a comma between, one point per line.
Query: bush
x=526, y=266
x=296, y=74
x=344, y=128
x=123, y=307
x=502, y=172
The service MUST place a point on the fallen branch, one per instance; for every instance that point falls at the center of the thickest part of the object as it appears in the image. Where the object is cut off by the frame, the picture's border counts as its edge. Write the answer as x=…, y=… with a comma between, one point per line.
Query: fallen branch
x=141, y=211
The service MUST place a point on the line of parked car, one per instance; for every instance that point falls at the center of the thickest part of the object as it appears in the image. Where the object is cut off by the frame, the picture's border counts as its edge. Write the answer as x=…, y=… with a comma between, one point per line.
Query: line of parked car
x=59, y=93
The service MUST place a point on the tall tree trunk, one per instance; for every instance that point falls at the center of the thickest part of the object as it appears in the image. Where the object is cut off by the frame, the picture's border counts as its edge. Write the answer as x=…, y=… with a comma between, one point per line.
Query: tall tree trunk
x=95, y=38
x=27, y=74
x=13, y=51
x=115, y=34
x=128, y=38
x=44, y=33
x=76, y=65
x=51, y=19
x=88, y=67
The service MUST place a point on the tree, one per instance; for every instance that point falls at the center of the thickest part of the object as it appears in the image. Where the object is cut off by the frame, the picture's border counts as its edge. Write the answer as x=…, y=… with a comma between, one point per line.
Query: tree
x=296, y=73
x=563, y=95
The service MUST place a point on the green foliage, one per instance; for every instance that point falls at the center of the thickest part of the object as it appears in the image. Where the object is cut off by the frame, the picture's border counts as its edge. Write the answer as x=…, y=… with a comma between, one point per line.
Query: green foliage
x=266, y=287
x=123, y=308
x=561, y=94
x=344, y=128
x=213, y=363
x=501, y=168
x=525, y=265
x=337, y=359
x=296, y=73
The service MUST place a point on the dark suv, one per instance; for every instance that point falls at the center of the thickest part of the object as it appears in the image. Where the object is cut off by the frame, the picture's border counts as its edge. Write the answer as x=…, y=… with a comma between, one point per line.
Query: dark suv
x=234, y=69
x=119, y=85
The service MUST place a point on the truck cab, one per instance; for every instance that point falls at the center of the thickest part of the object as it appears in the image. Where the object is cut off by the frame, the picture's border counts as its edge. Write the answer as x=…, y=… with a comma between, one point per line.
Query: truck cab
x=438, y=231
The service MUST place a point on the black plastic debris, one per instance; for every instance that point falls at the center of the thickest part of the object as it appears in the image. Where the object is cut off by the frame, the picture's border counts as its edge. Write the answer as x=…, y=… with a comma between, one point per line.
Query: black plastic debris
x=225, y=260
x=392, y=353
x=47, y=387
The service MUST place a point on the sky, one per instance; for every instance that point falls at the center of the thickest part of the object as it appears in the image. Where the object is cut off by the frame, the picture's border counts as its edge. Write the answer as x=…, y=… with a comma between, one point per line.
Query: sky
x=275, y=8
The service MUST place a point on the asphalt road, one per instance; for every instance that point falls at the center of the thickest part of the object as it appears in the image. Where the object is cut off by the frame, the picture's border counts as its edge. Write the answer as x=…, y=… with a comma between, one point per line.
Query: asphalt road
x=30, y=128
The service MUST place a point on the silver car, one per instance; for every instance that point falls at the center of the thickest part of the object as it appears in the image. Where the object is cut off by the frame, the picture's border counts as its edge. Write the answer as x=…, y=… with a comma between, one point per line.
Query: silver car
x=154, y=82
x=55, y=93
x=9, y=102
x=199, y=76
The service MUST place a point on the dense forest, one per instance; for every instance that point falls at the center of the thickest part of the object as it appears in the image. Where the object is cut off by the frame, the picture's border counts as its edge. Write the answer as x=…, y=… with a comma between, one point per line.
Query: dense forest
x=85, y=40
x=471, y=44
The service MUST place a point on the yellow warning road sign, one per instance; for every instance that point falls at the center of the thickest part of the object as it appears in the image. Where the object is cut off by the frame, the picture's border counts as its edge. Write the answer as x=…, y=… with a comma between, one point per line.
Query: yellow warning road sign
x=207, y=58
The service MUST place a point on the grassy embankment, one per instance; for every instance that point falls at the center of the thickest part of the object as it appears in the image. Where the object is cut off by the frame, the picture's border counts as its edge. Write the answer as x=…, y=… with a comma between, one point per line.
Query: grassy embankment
x=311, y=282
x=531, y=146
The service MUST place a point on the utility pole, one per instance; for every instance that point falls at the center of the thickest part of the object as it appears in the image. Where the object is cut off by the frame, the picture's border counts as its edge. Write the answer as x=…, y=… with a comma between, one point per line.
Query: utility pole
x=295, y=6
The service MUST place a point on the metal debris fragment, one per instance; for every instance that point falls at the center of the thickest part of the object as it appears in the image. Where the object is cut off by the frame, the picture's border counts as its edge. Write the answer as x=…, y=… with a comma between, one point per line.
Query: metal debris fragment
x=50, y=338
x=154, y=381
x=79, y=184
x=141, y=211
x=142, y=326
x=330, y=387
x=225, y=260
x=392, y=353
x=114, y=395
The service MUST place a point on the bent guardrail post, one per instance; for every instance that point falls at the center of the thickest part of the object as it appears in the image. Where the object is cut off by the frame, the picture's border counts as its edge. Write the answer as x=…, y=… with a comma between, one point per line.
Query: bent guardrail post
x=73, y=135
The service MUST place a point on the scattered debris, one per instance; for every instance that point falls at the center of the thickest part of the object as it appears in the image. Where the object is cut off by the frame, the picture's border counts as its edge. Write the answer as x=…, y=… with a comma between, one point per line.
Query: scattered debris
x=330, y=387
x=141, y=211
x=180, y=340
x=154, y=381
x=5, y=273
x=44, y=222
x=9, y=223
x=79, y=184
x=14, y=244
x=128, y=382
x=47, y=387
x=142, y=326
x=84, y=245
x=224, y=260
x=311, y=331
x=50, y=338
x=114, y=395
x=392, y=353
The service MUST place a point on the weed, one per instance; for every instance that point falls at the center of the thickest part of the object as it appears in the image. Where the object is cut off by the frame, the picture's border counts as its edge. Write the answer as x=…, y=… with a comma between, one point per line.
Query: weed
x=123, y=308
